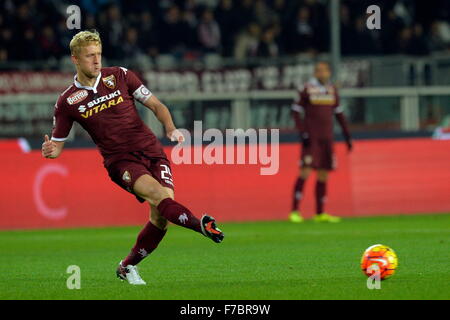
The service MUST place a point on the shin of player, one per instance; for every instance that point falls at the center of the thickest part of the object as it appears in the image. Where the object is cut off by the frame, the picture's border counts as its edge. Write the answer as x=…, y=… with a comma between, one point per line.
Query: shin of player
x=163, y=209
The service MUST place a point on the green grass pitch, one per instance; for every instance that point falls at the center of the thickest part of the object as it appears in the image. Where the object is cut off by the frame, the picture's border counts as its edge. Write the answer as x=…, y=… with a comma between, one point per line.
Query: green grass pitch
x=263, y=260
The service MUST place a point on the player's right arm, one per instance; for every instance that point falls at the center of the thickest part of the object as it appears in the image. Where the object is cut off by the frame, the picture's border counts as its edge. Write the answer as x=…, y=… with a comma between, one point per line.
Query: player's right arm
x=298, y=113
x=62, y=123
x=339, y=114
x=162, y=113
x=51, y=149
x=141, y=93
x=298, y=110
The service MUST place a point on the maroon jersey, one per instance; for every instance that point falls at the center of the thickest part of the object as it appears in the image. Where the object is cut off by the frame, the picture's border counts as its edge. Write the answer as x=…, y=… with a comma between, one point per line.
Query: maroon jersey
x=318, y=103
x=108, y=113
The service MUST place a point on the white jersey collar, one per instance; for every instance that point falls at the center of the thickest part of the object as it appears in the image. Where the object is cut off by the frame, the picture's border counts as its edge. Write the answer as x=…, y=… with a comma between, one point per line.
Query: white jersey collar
x=316, y=82
x=80, y=86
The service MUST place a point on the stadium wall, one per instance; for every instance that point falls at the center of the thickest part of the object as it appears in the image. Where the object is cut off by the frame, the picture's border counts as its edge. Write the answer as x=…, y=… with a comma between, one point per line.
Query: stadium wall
x=380, y=177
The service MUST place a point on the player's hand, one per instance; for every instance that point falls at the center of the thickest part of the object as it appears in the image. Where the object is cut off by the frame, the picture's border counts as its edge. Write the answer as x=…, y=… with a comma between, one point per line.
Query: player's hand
x=48, y=148
x=349, y=146
x=304, y=136
x=175, y=136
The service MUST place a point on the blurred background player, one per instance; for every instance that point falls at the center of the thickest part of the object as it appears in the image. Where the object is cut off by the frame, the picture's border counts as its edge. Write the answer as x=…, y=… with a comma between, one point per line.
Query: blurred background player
x=313, y=114
x=101, y=100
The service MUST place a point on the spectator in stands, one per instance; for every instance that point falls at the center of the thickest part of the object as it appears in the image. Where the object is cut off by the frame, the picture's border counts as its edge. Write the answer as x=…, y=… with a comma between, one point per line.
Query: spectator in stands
x=283, y=13
x=267, y=46
x=4, y=50
x=112, y=28
x=425, y=12
x=93, y=6
x=89, y=22
x=281, y=9
x=176, y=33
x=49, y=43
x=189, y=15
x=3, y=55
x=226, y=18
x=347, y=32
x=320, y=23
x=7, y=43
x=419, y=42
x=439, y=40
x=173, y=27
x=364, y=41
x=264, y=15
x=392, y=26
x=149, y=34
x=131, y=48
x=64, y=35
x=404, y=40
x=23, y=19
x=247, y=42
x=412, y=41
x=209, y=32
x=23, y=46
x=302, y=37
x=244, y=14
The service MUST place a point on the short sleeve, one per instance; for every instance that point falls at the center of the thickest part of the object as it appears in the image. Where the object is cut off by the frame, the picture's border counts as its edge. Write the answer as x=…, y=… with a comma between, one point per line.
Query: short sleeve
x=135, y=86
x=62, y=123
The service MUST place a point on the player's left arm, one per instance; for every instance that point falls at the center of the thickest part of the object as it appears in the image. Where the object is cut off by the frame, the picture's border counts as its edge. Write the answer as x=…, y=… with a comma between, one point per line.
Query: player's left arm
x=341, y=119
x=162, y=113
x=142, y=94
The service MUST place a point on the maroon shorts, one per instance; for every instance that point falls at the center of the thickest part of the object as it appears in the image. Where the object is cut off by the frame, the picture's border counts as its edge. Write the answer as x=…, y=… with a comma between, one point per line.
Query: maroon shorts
x=128, y=168
x=318, y=154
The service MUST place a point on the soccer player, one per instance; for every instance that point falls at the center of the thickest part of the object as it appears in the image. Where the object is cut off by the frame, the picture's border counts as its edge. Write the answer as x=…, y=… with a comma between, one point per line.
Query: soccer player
x=313, y=114
x=101, y=100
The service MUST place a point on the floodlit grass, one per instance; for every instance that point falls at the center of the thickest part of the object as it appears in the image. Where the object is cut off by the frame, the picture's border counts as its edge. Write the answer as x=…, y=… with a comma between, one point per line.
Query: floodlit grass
x=263, y=260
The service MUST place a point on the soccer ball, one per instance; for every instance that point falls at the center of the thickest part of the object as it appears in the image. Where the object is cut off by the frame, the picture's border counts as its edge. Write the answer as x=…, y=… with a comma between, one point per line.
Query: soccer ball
x=380, y=255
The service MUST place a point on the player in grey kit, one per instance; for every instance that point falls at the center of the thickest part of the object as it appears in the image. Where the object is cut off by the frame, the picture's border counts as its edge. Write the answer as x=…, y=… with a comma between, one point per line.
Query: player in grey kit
x=101, y=100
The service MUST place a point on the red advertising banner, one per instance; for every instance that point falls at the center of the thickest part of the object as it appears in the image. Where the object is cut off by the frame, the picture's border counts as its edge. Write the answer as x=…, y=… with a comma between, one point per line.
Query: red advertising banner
x=380, y=177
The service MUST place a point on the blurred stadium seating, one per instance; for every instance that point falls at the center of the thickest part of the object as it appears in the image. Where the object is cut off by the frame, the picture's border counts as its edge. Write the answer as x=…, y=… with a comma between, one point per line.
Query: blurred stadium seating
x=256, y=28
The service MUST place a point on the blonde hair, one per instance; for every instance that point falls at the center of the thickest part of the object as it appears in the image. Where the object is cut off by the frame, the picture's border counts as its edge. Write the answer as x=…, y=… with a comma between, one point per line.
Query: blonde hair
x=82, y=39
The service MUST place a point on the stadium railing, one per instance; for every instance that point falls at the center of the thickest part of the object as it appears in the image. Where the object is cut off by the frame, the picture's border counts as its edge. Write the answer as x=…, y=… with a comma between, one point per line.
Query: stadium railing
x=395, y=93
x=30, y=115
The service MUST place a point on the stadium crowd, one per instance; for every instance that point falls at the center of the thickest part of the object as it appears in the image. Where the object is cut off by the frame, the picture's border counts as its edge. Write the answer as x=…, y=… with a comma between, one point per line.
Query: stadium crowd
x=188, y=29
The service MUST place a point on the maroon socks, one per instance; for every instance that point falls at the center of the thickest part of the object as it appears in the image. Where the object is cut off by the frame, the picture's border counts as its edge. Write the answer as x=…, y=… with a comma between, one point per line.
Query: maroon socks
x=147, y=241
x=321, y=190
x=149, y=237
x=298, y=191
x=179, y=214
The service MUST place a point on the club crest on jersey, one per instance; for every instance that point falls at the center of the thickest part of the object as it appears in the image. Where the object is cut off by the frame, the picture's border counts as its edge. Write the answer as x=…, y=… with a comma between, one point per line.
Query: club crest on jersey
x=77, y=97
x=110, y=81
x=126, y=177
